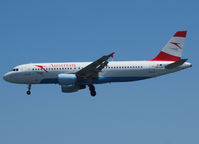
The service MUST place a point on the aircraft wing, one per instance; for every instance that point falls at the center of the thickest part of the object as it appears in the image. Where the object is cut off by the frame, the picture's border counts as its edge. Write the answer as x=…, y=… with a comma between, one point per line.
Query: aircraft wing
x=92, y=70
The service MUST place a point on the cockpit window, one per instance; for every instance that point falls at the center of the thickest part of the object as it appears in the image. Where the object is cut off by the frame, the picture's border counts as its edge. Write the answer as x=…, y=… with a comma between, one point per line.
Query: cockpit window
x=15, y=69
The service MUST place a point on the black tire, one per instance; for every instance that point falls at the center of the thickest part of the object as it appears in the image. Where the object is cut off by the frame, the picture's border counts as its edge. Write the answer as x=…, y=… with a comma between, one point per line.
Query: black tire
x=93, y=93
x=28, y=92
x=91, y=88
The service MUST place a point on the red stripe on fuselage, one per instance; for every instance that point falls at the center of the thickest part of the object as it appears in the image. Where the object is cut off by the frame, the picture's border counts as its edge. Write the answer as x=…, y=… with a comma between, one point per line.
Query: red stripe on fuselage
x=42, y=67
x=162, y=56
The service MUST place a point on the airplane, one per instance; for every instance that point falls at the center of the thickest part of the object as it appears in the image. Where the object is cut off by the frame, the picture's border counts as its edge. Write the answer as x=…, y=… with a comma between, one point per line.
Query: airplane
x=74, y=76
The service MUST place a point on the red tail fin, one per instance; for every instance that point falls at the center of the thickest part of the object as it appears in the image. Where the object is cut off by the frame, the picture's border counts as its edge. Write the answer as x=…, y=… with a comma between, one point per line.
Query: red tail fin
x=173, y=49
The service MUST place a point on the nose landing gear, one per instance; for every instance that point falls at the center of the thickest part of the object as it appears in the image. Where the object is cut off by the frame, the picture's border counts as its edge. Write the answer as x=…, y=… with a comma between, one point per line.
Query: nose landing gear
x=92, y=90
x=29, y=88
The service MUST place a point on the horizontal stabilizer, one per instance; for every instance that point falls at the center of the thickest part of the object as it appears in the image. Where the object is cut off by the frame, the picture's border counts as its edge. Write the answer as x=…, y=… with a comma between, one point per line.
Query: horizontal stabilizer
x=176, y=64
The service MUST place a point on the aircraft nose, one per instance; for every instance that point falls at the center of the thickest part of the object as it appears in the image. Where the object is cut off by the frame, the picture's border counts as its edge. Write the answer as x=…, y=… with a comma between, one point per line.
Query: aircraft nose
x=6, y=77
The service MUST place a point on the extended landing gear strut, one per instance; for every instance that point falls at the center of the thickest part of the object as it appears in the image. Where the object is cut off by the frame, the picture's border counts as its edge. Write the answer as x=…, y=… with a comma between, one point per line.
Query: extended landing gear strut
x=92, y=90
x=28, y=91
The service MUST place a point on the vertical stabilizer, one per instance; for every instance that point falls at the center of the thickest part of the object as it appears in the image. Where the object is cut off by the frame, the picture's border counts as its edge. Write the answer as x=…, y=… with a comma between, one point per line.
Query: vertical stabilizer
x=172, y=51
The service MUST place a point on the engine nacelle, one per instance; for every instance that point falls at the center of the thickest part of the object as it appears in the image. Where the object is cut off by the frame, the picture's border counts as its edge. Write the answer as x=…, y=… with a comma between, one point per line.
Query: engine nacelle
x=69, y=88
x=67, y=79
x=68, y=82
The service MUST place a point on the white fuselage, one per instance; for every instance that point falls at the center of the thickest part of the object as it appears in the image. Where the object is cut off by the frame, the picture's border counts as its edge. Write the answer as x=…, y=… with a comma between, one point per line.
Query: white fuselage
x=116, y=71
x=74, y=76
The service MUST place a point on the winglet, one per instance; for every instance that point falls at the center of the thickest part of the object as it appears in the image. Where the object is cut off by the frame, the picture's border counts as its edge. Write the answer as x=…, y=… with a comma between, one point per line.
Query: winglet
x=112, y=54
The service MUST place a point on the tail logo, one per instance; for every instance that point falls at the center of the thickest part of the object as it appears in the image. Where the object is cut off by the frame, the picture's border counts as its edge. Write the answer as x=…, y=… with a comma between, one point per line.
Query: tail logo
x=176, y=44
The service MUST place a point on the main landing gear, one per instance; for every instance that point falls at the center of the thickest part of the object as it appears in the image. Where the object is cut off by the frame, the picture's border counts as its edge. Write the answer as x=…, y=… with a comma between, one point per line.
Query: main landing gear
x=92, y=90
x=29, y=88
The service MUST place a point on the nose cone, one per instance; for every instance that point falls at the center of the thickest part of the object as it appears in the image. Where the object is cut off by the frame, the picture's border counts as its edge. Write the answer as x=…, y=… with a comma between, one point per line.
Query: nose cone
x=7, y=77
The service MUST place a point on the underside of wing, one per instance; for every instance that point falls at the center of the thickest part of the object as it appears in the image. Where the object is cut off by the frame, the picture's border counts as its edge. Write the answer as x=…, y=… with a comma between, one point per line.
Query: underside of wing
x=91, y=71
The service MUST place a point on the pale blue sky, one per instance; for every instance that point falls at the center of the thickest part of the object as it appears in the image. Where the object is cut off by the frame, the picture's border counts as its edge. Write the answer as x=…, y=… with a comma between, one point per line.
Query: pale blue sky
x=156, y=111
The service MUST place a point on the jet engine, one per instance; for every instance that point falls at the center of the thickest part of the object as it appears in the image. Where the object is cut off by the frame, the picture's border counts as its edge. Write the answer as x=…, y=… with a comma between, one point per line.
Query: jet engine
x=69, y=88
x=68, y=83
x=67, y=79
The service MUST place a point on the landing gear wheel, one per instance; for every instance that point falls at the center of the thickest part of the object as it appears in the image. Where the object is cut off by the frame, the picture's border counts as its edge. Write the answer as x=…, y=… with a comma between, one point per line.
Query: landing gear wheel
x=92, y=90
x=93, y=93
x=29, y=88
x=28, y=92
